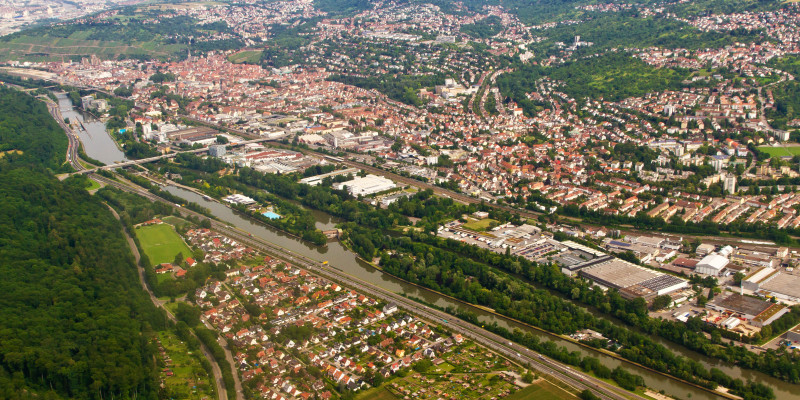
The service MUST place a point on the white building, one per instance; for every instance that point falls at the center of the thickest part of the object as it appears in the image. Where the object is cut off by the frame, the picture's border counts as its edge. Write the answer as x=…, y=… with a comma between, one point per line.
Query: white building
x=711, y=264
x=367, y=185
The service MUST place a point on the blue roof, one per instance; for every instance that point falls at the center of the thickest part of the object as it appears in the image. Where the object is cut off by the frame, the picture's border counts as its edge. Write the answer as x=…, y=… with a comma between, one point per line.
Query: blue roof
x=617, y=243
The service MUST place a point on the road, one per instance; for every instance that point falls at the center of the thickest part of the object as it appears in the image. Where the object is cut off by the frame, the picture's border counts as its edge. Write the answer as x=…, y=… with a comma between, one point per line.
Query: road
x=222, y=394
x=74, y=142
x=161, y=157
x=575, y=379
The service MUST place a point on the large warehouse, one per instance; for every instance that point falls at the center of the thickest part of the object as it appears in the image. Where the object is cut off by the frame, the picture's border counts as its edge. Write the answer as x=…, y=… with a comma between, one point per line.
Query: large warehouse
x=712, y=265
x=632, y=280
x=756, y=311
x=367, y=185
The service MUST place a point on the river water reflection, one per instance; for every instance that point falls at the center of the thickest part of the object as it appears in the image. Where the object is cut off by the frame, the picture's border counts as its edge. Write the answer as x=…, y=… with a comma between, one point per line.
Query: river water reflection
x=346, y=261
x=96, y=141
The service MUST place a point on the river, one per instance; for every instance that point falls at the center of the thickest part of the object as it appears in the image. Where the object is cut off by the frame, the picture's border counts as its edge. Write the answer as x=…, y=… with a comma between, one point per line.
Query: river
x=96, y=141
x=347, y=261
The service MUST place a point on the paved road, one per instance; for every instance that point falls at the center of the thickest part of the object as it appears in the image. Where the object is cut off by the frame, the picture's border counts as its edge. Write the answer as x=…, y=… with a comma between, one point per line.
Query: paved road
x=576, y=379
x=74, y=142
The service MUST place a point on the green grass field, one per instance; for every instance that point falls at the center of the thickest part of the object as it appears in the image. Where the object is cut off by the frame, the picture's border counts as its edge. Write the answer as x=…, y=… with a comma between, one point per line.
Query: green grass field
x=161, y=243
x=247, y=56
x=541, y=391
x=479, y=225
x=781, y=151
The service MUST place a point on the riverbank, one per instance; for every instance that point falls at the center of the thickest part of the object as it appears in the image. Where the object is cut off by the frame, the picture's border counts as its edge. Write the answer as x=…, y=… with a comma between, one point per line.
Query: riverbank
x=722, y=393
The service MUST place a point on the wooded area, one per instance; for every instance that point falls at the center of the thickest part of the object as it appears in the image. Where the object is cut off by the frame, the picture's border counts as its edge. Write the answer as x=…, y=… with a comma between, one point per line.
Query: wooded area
x=76, y=323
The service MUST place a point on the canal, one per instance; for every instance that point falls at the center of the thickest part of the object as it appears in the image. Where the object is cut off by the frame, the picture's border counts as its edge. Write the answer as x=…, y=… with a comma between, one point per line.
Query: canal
x=96, y=141
x=347, y=261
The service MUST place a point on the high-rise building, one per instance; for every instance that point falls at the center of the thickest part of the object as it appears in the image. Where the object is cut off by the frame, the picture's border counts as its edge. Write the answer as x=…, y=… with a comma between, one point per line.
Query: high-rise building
x=729, y=184
x=217, y=150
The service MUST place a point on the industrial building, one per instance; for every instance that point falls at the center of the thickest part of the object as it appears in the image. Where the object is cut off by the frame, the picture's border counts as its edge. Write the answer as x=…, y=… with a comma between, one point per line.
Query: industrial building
x=196, y=134
x=783, y=284
x=714, y=263
x=632, y=280
x=317, y=179
x=757, y=312
x=367, y=185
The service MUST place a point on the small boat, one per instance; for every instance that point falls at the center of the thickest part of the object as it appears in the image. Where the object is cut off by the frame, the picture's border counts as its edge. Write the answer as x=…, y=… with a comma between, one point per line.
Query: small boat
x=206, y=197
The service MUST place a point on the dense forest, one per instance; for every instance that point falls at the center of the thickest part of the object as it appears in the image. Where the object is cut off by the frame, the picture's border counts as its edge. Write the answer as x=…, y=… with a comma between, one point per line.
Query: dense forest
x=75, y=320
x=28, y=134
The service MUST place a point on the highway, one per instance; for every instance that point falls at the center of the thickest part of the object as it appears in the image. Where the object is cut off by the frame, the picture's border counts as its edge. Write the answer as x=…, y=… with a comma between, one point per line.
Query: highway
x=575, y=379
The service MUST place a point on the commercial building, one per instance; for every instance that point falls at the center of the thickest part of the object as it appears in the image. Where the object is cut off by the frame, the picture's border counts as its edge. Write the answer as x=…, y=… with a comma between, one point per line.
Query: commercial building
x=239, y=199
x=367, y=185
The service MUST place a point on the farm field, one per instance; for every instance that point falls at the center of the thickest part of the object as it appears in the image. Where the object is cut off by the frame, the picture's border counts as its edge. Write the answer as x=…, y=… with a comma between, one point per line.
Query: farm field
x=161, y=243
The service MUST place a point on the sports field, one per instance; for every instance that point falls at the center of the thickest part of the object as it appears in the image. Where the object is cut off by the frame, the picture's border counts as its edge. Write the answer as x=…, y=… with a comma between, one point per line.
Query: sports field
x=781, y=151
x=161, y=243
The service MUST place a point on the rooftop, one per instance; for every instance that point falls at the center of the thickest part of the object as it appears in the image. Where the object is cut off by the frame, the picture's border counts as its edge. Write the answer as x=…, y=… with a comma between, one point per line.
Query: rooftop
x=741, y=304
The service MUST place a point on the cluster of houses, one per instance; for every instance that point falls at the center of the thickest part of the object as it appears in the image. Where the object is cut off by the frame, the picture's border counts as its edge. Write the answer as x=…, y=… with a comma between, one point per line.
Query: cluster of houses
x=217, y=248
x=347, y=336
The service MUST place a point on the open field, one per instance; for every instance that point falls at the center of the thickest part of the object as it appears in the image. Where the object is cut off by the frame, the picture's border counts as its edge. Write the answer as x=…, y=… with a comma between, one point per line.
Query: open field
x=541, y=390
x=246, y=56
x=479, y=225
x=782, y=151
x=161, y=243
x=175, y=221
